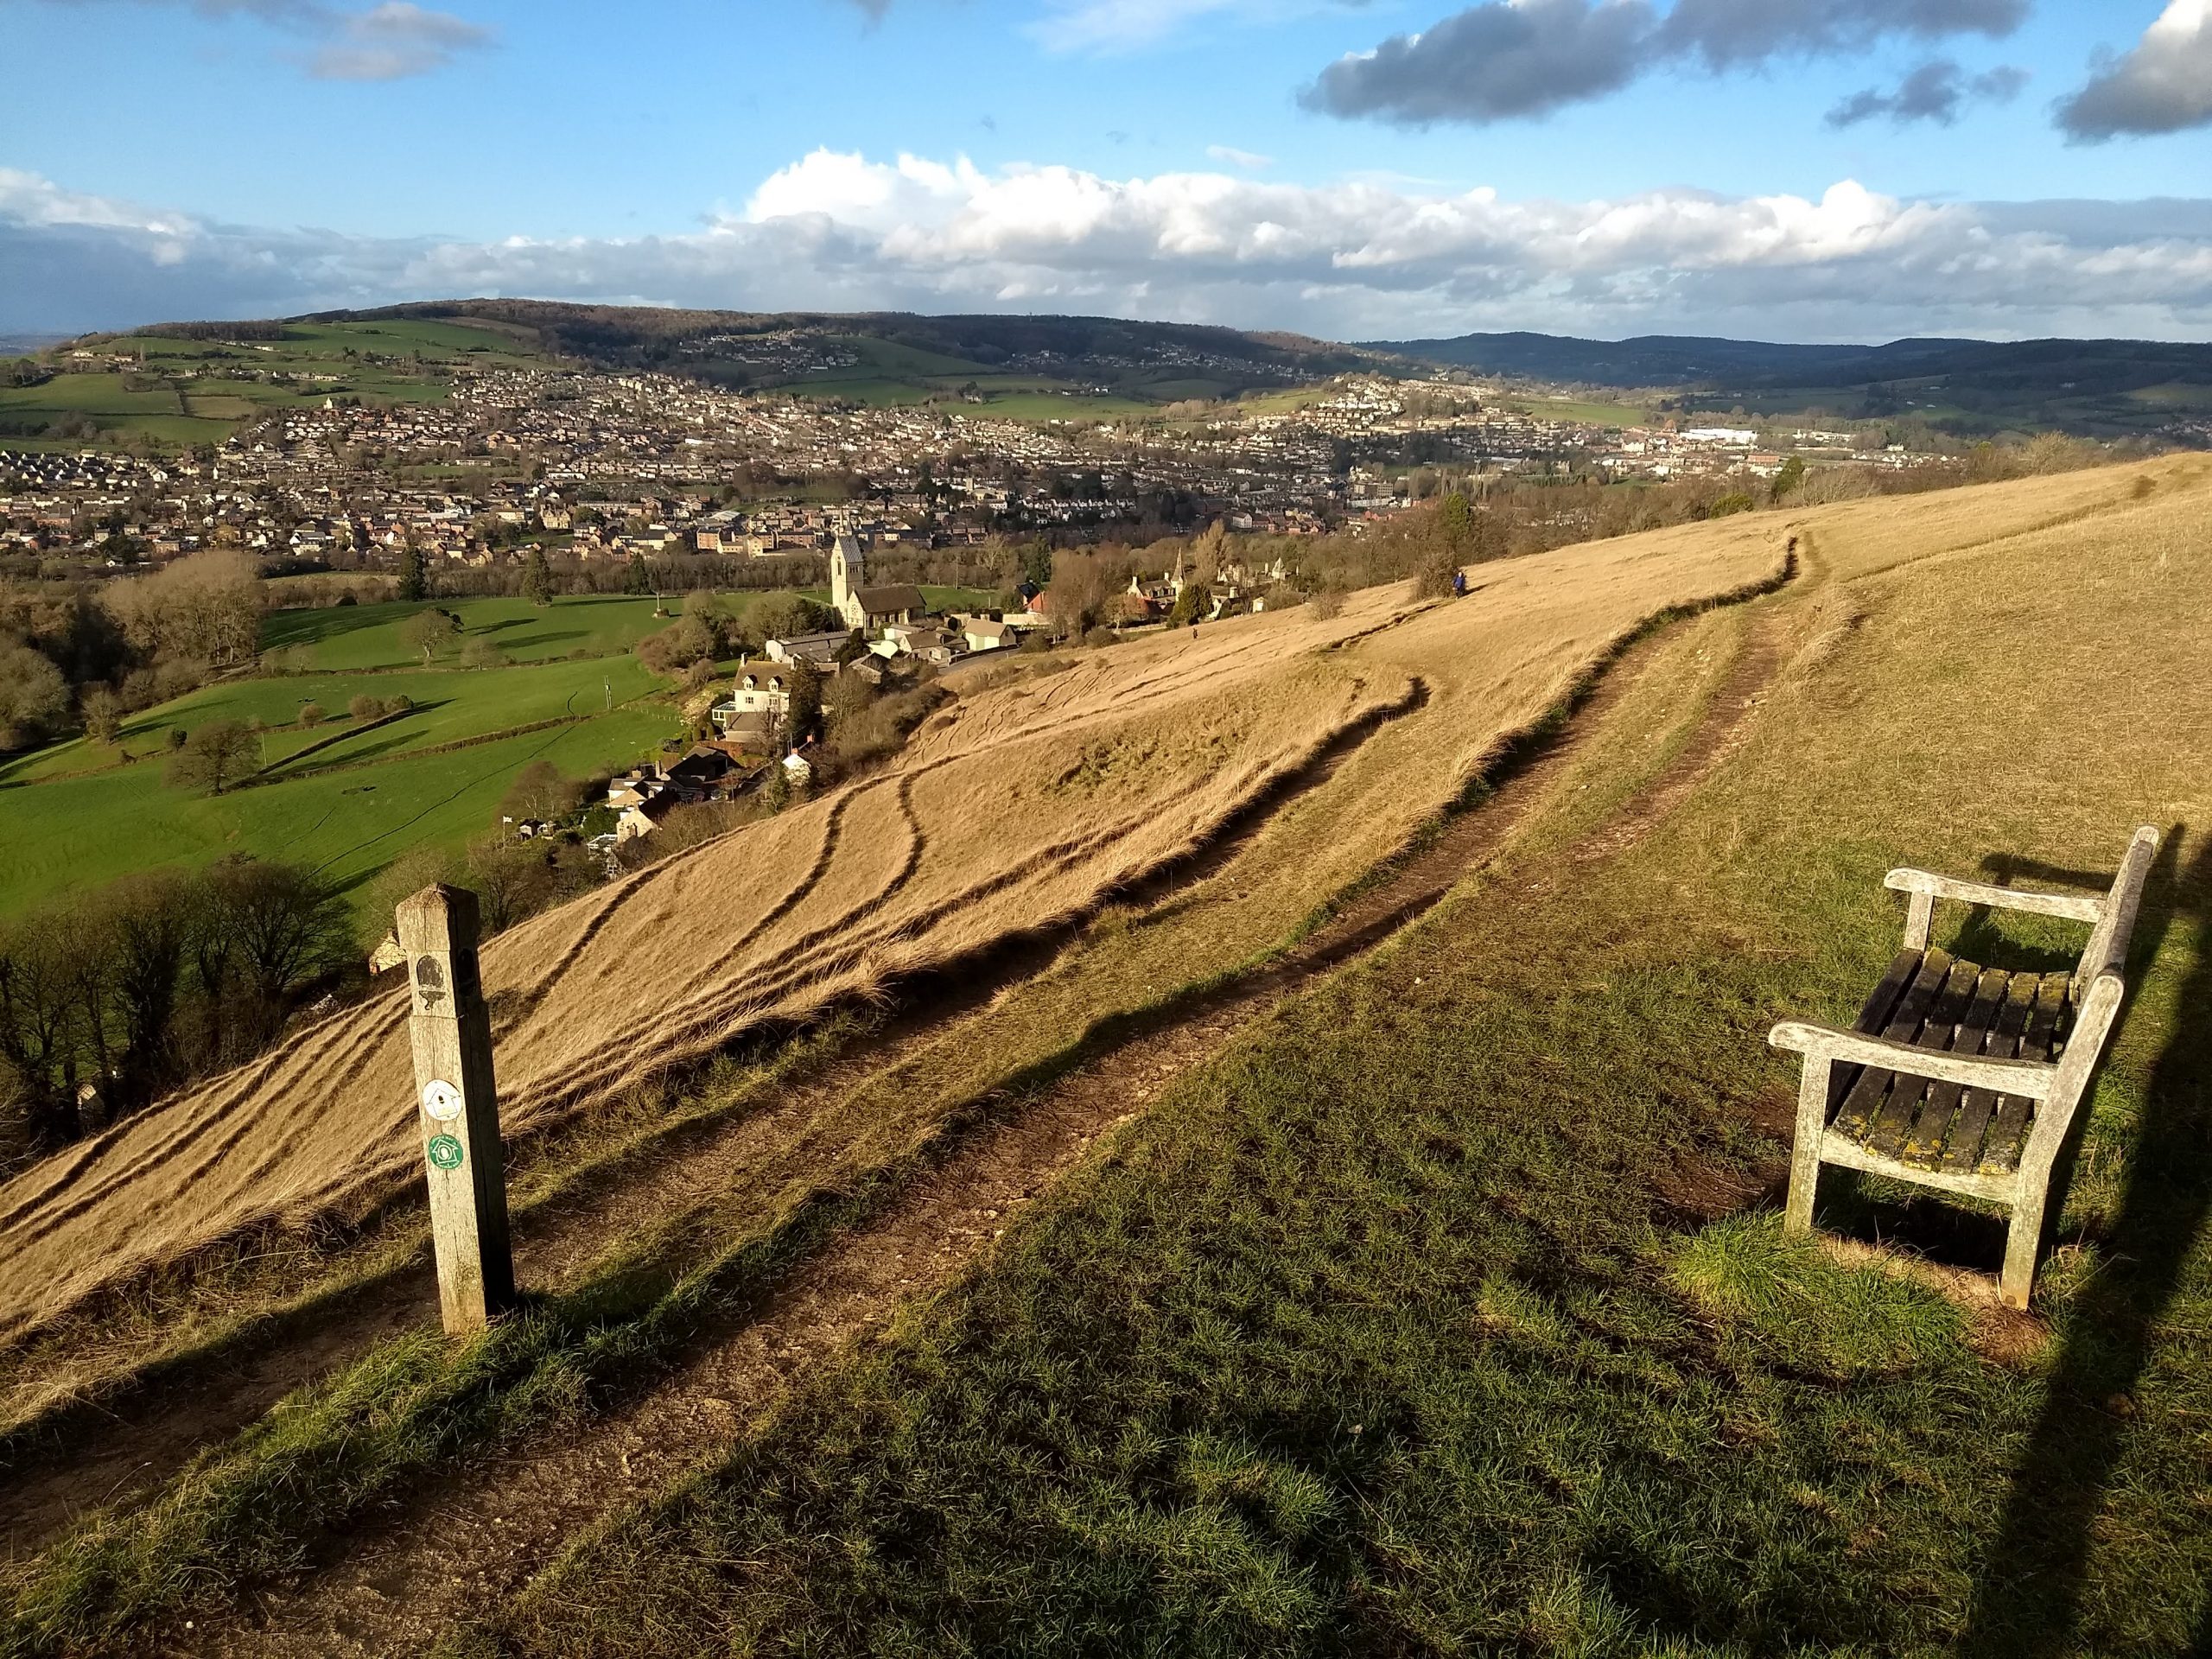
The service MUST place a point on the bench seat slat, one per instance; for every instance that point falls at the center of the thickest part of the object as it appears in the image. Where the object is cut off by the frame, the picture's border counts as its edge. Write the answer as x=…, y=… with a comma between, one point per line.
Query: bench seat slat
x=1865, y=1096
x=1874, y=1019
x=2008, y=1130
x=1885, y=1136
x=1923, y=1147
x=1962, y=1150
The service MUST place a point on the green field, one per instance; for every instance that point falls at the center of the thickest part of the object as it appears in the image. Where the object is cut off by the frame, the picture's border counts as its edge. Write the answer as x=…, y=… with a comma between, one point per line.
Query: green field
x=352, y=638
x=73, y=834
x=196, y=401
x=450, y=705
x=1584, y=411
x=76, y=815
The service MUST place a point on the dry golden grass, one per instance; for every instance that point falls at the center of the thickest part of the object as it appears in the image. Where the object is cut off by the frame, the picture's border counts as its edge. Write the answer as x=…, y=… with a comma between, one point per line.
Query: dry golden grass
x=1025, y=805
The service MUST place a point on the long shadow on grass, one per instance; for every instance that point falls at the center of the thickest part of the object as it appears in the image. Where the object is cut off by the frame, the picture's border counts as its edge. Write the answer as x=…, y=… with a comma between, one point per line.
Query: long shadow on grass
x=2029, y=1594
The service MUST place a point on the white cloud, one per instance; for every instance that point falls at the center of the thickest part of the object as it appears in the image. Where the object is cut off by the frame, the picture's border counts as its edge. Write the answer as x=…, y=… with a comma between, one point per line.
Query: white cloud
x=1250, y=161
x=2164, y=85
x=1355, y=259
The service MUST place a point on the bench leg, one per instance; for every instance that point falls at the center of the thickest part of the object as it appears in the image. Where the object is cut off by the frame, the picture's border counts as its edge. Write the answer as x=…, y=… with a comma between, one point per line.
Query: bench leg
x=1805, y=1154
x=2023, y=1243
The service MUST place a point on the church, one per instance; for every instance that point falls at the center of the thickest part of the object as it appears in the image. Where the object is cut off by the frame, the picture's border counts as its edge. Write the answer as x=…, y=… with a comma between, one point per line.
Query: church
x=865, y=609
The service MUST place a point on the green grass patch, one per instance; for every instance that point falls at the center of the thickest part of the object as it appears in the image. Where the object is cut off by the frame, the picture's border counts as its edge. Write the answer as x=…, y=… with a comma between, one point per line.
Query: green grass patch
x=1583, y=411
x=1796, y=1304
x=349, y=637
x=74, y=833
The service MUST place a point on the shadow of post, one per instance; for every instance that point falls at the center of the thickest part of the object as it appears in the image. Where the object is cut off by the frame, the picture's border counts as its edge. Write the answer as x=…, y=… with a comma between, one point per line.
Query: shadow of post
x=2028, y=1595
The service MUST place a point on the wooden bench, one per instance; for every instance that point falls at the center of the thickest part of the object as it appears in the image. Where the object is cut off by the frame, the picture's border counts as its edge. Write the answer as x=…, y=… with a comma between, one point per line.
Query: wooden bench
x=1962, y=1077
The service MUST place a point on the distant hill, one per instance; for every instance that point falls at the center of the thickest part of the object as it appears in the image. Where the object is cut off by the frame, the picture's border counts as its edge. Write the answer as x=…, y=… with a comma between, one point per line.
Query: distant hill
x=1653, y=359
x=2107, y=387
x=902, y=357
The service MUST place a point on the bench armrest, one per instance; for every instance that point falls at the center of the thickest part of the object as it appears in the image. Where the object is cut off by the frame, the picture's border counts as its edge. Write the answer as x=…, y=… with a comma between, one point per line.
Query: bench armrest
x=2032, y=1079
x=2074, y=907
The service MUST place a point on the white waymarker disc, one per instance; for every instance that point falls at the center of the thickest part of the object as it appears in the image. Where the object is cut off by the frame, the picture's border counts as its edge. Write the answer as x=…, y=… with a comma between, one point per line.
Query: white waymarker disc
x=442, y=1101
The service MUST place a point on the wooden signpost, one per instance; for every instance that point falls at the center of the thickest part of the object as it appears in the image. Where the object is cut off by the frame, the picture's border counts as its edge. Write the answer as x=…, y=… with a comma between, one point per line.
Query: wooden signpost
x=457, y=1108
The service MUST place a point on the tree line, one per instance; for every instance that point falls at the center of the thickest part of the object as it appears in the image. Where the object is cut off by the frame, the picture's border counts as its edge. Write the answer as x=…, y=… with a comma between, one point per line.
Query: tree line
x=80, y=655
x=115, y=998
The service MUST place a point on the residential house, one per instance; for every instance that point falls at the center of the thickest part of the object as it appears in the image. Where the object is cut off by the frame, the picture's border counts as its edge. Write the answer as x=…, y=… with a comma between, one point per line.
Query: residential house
x=984, y=633
x=820, y=649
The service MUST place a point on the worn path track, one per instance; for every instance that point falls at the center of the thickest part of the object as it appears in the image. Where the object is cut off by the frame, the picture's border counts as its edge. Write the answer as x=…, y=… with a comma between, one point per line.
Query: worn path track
x=126, y=1444
x=390, y=1585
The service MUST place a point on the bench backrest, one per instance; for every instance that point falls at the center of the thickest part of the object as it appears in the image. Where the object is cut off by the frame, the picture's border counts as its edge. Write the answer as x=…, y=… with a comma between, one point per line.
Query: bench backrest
x=2107, y=947
x=2100, y=987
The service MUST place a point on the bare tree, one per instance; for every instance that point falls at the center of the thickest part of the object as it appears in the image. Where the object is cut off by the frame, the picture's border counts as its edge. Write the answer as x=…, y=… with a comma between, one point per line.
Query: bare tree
x=38, y=1016
x=216, y=756
x=428, y=632
x=207, y=606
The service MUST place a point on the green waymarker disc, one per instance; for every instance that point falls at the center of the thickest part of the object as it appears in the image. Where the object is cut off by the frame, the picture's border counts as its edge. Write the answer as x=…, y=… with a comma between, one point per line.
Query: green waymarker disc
x=445, y=1152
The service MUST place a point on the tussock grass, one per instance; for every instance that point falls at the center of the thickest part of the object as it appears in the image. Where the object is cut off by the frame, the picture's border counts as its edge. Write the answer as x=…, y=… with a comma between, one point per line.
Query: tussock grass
x=1800, y=1306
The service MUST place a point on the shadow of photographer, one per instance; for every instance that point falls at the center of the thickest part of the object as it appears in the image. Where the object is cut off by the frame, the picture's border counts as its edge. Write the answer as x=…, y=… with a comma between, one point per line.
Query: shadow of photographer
x=2027, y=1598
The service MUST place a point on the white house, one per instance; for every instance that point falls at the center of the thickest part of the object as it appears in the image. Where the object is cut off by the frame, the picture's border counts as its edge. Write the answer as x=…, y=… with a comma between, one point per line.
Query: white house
x=981, y=633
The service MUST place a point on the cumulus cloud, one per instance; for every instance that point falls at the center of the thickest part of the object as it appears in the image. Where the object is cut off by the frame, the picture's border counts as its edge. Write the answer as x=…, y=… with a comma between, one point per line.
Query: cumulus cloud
x=1504, y=59
x=2164, y=85
x=1351, y=259
x=1726, y=34
x=1936, y=92
x=389, y=41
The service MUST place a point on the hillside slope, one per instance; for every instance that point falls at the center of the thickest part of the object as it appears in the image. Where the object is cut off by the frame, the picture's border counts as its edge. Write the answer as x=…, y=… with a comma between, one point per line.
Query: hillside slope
x=1025, y=805
x=1447, y=1312
x=1390, y=1245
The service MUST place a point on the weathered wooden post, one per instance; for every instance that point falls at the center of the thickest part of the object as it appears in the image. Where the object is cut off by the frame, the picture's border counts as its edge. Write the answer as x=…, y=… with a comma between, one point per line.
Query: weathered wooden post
x=458, y=1108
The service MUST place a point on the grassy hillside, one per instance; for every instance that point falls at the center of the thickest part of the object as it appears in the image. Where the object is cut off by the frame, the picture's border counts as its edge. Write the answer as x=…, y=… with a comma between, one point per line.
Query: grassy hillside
x=193, y=390
x=80, y=814
x=2100, y=388
x=888, y=374
x=1161, y=1287
x=1444, y=1313
x=78, y=832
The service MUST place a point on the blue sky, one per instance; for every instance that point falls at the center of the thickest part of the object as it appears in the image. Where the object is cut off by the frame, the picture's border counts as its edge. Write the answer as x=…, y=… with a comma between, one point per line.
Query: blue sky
x=1395, y=167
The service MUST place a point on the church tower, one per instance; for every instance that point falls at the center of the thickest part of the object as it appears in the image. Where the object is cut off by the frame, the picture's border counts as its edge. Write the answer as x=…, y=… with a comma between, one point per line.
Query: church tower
x=847, y=576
